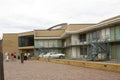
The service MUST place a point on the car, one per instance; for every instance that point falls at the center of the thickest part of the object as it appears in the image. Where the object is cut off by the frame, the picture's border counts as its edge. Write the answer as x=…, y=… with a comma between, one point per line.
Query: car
x=54, y=55
x=41, y=55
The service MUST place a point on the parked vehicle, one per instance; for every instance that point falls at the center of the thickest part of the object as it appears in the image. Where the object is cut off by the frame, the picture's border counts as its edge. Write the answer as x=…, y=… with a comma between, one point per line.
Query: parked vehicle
x=41, y=55
x=53, y=55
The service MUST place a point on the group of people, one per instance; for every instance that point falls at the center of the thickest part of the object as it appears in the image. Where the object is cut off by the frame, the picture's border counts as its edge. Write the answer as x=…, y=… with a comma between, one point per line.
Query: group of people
x=13, y=56
x=26, y=56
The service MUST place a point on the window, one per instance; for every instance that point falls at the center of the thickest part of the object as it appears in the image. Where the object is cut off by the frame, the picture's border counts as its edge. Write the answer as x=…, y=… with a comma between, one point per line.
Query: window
x=95, y=35
x=83, y=50
x=26, y=41
x=82, y=37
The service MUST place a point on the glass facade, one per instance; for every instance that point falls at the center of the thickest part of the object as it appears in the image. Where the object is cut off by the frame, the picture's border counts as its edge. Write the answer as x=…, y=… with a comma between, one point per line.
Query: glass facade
x=26, y=41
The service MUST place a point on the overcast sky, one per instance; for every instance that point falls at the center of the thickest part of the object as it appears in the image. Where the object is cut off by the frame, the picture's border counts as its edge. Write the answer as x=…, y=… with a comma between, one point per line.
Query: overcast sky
x=27, y=15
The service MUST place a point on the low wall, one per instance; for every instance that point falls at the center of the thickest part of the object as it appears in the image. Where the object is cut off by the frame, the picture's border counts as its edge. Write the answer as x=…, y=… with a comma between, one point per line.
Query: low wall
x=103, y=66
x=59, y=61
x=34, y=58
x=43, y=59
x=87, y=64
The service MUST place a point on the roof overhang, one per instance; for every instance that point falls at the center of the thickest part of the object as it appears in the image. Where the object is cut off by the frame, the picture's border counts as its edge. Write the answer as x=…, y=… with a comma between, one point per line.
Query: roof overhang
x=47, y=37
x=27, y=47
x=99, y=25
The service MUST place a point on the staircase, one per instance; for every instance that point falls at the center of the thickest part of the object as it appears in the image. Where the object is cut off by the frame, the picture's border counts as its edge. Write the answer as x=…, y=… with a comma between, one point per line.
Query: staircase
x=98, y=50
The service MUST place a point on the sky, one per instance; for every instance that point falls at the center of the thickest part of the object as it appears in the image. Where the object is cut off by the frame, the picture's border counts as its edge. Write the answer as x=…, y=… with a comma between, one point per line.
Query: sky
x=26, y=15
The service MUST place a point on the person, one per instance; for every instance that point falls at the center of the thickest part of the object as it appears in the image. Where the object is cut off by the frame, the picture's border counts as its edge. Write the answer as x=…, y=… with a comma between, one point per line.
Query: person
x=25, y=56
x=12, y=56
x=7, y=56
x=18, y=55
x=22, y=58
x=28, y=56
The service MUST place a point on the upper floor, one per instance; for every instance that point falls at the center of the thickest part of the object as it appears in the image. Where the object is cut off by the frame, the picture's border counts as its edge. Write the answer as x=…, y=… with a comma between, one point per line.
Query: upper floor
x=64, y=35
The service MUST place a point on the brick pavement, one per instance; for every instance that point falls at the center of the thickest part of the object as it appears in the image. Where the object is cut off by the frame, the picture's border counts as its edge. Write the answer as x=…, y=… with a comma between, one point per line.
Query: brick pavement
x=38, y=70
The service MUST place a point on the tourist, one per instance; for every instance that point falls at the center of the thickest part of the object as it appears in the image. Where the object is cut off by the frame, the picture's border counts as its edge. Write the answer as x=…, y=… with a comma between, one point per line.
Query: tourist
x=7, y=56
x=12, y=56
x=28, y=55
x=18, y=55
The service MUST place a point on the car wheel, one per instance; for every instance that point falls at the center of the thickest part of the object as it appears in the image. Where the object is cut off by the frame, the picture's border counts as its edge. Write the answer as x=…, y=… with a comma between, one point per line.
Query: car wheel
x=61, y=57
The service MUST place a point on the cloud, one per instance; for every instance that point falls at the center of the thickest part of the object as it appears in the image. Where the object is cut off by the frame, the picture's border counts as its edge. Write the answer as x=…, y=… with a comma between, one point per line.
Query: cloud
x=25, y=15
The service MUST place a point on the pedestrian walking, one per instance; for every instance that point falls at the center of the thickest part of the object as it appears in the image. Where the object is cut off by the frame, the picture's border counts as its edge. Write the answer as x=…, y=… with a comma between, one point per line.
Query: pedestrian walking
x=25, y=56
x=28, y=56
x=22, y=57
x=12, y=56
x=7, y=56
x=18, y=55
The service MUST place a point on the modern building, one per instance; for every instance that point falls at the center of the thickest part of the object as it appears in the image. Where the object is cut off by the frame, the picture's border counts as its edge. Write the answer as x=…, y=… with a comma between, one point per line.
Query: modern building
x=99, y=41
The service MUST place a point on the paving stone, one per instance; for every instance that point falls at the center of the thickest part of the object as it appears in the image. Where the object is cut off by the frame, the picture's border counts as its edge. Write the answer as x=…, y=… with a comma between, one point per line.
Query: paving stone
x=38, y=70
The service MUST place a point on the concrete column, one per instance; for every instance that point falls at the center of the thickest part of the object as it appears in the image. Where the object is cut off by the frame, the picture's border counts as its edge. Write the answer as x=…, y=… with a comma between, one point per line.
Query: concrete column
x=1, y=67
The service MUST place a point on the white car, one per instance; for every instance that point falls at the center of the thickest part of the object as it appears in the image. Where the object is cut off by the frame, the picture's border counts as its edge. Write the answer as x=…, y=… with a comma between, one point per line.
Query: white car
x=41, y=55
x=54, y=55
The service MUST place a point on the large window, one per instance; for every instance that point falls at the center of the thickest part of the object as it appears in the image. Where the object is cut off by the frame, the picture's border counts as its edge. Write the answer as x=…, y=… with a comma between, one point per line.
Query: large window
x=48, y=43
x=26, y=41
x=82, y=37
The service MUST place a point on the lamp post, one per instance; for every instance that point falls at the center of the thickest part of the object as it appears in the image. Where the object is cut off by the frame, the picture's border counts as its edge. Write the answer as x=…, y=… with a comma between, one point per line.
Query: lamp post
x=1, y=67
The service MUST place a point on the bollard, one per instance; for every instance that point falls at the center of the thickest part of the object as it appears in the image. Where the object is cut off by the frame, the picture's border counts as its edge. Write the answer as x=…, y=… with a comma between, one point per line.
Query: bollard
x=22, y=58
x=1, y=67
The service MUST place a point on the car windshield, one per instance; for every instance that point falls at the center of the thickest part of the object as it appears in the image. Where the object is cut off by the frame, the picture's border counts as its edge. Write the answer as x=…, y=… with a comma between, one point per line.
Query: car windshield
x=48, y=53
x=53, y=52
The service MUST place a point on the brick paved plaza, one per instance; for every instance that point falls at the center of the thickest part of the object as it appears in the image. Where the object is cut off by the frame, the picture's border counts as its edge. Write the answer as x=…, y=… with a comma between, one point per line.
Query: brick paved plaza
x=38, y=70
